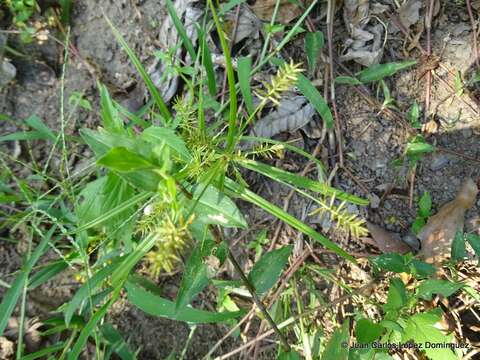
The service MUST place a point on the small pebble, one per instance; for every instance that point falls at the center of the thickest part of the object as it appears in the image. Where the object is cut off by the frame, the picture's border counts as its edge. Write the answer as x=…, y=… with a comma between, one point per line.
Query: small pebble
x=439, y=162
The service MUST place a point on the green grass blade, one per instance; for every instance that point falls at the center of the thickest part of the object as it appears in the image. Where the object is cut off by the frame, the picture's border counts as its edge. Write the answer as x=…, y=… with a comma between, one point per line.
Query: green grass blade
x=13, y=293
x=244, y=70
x=35, y=123
x=381, y=71
x=43, y=352
x=47, y=273
x=117, y=343
x=316, y=99
x=181, y=29
x=300, y=181
x=143, y=73
x=247, y=195
x=26, y=135
x=232, y=121
x=113, y=212
x=89, y=287
x=207, y=63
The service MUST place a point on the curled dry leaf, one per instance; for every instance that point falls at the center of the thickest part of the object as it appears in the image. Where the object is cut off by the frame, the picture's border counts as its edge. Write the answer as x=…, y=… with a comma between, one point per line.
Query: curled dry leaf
x=247, y=26
x=437, y=235
x=291, y=114
x=365, y=43
x=287, y=11
x=386, y=241
x=409, y=13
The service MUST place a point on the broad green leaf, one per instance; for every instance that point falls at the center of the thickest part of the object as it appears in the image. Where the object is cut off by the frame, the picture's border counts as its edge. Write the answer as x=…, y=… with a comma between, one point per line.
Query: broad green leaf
x=268, y=269
x=366, y=331
x=12, y=295
x=459, y=251
x=251, y=197
x=278, y=174
x=425, y=205
x=391, y=261
x=442, y=287
x=187, y=43
x=290, y=355
x=316, y=99
x=158, y=306
x=116, y=342
x=421, y=329
x=381, y=71
x=35, y=123
x=418, y=148
x=244, y=71
x=337, y=346
x=100, y=141
x=474, y=241
x=229, y=5
x=111, y=120
x=195, y=277
x=414, y=115
x=397, y=295
x=158, y=135
x=123, y=160
x=214, y=207
x=421, y=269
x=314, y=42
x=347, y=80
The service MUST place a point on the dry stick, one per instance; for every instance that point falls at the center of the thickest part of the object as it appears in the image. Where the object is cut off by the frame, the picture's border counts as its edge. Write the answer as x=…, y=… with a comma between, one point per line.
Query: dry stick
x=338, y=128
x=428, y=26
x=474, y=32
x=293, y=319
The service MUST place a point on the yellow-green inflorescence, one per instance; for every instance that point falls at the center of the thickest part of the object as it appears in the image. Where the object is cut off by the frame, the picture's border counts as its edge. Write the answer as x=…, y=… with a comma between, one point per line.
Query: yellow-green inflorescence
x=172, y=236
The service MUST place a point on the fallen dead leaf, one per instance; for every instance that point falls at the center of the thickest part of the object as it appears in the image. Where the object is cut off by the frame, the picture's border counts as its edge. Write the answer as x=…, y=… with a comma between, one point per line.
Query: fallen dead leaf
x=437, y=235
x=386, y=241
x=409, y=13
x=292, y=113
x=287, y=10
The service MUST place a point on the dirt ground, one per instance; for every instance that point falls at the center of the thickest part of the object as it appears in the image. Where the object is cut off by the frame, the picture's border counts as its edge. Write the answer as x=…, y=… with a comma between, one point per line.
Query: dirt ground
x=372, y=141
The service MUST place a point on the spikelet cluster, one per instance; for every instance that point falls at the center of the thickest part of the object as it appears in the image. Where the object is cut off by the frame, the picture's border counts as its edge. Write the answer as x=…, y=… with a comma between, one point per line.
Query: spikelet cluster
x=171, y=233
x=285, y=78
x=340, y=215
x=267, y=151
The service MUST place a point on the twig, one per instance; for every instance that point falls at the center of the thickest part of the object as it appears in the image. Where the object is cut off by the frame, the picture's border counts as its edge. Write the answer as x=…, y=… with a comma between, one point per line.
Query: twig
x=474, y=32
x=428, y=26
x=338, y=128
x=412, y=186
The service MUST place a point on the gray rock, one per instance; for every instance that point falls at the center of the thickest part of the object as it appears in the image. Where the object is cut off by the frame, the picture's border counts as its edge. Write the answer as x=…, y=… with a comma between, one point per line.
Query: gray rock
x=7, y=73
x=439, y=162
x=467, y=132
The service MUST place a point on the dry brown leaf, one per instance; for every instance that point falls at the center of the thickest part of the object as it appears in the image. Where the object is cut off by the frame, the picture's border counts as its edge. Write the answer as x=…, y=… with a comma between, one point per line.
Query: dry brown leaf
x=386, y=241
x=293, y=113
x=287, y=10
x=409, y=13
x=437, y=235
